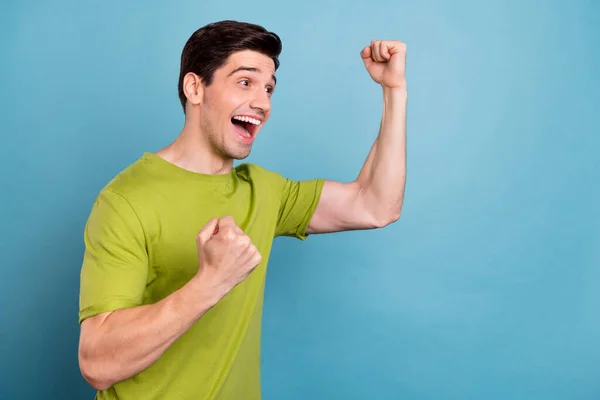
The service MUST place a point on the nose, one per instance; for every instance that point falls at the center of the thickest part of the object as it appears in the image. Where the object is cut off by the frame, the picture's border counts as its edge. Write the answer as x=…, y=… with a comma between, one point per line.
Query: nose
x=261, y=101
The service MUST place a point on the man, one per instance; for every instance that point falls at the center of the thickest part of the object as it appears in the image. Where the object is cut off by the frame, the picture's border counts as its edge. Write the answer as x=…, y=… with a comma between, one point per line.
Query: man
x=177, y=243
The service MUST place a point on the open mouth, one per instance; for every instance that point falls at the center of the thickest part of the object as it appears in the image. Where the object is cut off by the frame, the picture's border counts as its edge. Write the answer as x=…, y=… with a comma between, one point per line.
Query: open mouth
x=246, y=126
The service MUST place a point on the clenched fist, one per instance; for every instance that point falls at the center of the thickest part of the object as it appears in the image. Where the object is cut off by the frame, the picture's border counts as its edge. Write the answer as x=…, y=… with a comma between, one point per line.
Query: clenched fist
x=385, y=61
x=225, y=253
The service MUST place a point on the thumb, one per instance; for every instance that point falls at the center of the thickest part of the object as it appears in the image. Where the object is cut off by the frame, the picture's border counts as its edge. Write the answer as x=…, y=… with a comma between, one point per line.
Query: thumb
x=208, y=230
x=365, y=54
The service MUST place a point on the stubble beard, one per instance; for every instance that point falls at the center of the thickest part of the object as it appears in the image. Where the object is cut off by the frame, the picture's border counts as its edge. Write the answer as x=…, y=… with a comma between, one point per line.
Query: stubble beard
x=220, y=145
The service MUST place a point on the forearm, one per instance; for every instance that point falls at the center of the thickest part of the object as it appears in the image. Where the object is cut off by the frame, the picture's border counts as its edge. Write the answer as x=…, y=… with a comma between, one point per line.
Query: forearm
x=129, y=340
x=383, y=177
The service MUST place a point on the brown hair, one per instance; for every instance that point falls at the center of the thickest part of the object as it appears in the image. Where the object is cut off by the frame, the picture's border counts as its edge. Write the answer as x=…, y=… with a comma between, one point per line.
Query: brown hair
x=209, y=47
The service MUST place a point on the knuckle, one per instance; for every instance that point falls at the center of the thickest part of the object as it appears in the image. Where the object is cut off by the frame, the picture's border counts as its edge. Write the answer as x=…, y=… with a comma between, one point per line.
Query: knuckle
x=228, y=232
x=227, y=220
x=244, y=240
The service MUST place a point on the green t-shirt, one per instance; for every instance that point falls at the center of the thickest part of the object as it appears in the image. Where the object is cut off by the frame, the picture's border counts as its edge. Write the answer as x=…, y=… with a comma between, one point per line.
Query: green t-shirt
x=140, y=243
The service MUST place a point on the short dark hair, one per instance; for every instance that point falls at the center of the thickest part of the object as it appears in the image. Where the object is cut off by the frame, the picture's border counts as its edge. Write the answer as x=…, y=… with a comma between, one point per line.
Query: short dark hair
x=209, y=47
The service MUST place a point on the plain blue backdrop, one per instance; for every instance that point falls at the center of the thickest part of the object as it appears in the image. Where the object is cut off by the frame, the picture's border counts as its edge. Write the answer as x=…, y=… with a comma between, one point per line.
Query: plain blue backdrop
x=487, y=288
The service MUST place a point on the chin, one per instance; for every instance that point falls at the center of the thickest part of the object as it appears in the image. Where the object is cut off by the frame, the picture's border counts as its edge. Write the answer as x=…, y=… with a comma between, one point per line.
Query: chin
x=239, y=154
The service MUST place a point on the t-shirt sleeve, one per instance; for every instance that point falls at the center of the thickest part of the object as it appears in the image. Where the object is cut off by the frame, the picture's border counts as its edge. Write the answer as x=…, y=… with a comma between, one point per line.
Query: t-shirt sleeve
x=299, y=200
x=115, y=262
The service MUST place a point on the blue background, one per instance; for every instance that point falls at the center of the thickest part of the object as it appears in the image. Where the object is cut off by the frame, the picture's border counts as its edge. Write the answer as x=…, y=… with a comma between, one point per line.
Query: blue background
x=487, y=288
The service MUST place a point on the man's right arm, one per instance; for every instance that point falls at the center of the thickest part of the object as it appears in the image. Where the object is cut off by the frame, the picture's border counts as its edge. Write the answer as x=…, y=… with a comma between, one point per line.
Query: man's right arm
x=120, y=337
x=119, y=344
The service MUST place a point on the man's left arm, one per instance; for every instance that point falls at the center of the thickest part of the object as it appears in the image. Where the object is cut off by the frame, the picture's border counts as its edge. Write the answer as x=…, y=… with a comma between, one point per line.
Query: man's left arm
x=375, y=198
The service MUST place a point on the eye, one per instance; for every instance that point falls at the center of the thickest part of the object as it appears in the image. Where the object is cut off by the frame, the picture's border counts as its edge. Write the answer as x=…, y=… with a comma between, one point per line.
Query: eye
x=245, y=82
x=270, y=89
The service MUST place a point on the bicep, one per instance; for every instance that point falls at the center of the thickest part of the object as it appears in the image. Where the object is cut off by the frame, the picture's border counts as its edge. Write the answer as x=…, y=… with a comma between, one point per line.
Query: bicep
x=298, y=202
x=115, y=262
x=341, y=208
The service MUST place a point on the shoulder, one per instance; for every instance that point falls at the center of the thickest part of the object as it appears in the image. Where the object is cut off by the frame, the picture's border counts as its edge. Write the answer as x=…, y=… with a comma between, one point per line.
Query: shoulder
x=116, y=209
x=134, y=181
x=120, y=200
x=279, y=185
x=259, y=175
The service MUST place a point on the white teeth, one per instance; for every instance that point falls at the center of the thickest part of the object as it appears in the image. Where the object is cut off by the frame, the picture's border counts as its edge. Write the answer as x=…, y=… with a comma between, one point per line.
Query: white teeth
x=248, y=119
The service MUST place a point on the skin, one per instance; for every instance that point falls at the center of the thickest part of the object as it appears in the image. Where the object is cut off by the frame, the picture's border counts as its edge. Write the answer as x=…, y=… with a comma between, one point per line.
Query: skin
x=117, y=345
x=208, y=143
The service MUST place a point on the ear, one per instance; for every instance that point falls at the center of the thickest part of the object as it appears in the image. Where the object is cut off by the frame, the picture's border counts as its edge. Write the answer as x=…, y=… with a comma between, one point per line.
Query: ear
x=193, y=88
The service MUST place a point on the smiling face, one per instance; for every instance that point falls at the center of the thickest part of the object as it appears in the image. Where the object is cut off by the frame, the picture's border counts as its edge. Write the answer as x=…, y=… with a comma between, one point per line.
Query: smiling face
x=237, y=103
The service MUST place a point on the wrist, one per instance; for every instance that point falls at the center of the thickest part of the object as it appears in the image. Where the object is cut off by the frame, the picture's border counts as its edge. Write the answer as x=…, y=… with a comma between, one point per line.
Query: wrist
x=394, y=102
x=194, y=299
x=395, y=94
x=207, y=289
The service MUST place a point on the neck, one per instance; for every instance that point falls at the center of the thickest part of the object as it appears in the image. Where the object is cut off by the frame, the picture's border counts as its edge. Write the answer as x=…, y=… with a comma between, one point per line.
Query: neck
x=193, y=152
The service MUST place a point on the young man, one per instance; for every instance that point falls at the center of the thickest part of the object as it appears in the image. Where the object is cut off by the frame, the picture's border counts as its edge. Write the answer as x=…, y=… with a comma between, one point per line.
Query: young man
x=177, y=244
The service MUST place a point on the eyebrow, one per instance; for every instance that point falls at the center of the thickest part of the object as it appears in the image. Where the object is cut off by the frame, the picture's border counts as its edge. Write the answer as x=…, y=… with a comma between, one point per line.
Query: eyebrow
x=251, y=69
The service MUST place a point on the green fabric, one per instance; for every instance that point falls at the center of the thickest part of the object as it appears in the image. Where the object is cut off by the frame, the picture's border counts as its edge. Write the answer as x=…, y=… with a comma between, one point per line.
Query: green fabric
x=140, y=243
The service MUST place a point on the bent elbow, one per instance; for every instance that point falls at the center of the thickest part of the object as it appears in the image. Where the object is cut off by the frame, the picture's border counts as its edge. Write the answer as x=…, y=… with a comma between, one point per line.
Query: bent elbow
x=97, y=385
x=395, y=216
x=92, y=373
x=387, y=219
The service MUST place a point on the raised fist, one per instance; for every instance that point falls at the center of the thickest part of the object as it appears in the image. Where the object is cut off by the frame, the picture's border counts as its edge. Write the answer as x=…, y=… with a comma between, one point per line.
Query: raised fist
x=385, y=61
x=225, y=253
